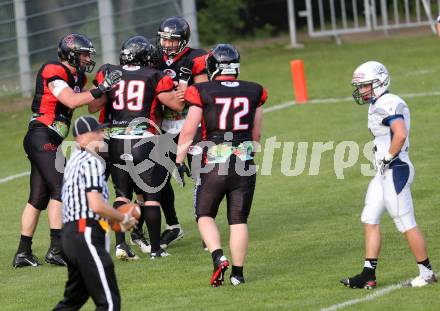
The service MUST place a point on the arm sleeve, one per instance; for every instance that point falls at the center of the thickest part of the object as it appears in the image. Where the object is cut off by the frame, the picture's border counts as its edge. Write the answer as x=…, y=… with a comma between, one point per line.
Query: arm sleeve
x=199, y=65
x=263, y=97
x=93, y=176
x=52, y=72
x=192, y=97
x=393, y=110
x=165, y=84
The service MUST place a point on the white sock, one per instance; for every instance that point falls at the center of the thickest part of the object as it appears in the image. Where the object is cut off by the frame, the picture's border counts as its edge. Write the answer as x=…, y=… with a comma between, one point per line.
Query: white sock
x=425, y=272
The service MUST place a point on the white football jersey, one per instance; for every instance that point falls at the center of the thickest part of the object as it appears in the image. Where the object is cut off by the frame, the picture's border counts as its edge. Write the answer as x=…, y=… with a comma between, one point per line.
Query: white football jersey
x=386, y=108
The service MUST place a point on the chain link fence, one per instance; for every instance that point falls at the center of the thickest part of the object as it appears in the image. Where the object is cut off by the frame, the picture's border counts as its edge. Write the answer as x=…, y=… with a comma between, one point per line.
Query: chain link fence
x=31, y=29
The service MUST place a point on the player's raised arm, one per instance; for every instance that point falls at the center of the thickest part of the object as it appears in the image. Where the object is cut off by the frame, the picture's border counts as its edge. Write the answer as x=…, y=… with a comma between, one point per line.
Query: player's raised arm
x=68, y=97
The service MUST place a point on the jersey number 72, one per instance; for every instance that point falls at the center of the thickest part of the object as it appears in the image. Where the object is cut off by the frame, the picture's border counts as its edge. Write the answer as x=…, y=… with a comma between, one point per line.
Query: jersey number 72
x=236, y=102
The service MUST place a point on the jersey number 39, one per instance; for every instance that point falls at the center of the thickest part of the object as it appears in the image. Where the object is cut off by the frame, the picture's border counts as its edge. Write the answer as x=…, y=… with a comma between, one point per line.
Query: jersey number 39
x=129, y=95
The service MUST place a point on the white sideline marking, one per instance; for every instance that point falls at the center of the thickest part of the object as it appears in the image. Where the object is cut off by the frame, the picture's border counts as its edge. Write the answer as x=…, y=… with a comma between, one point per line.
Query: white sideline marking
x=372, y=296
x=376, y=294
x=342, y=99
x=275, y=108
x=12, y=177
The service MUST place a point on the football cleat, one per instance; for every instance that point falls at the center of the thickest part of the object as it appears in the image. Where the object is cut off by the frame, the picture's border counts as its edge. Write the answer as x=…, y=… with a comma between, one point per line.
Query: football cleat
x=220, y=266
x=138, y=238
x=170, y=235
x=360, y=281
x=236, y=279
x=124, y=252
x=159, y=254
x=54, y=256
x=419, y=281
x=24, y=259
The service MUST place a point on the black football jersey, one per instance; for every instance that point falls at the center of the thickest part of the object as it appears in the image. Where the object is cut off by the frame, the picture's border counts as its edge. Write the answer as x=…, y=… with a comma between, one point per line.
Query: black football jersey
x=135, y=95
x=228, y=106
x=171, y=66
x=45, y=105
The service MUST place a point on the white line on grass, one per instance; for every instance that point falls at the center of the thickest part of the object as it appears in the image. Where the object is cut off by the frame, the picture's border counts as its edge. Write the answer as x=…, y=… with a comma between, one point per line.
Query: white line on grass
x=275, y=108
x=372, y=296
x=12, y=177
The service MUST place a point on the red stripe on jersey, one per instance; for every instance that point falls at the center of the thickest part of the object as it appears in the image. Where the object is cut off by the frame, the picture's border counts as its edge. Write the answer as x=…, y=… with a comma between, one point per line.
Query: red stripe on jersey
x=199, y=65
x=263, y=97
x=99, y=77
x=51, y=72
x=152, y=129
x=178, y=56
x=102, y=115
x=192, y=97
x=165, y=84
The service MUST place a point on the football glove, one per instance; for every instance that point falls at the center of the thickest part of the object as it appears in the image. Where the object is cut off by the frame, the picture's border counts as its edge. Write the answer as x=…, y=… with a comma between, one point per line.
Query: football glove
x=185, y=71
x=182, y=169
x=110, y=79
x=384, y=164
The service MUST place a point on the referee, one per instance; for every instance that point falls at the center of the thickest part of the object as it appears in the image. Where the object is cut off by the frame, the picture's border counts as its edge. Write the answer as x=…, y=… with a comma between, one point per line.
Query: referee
x=84, y=238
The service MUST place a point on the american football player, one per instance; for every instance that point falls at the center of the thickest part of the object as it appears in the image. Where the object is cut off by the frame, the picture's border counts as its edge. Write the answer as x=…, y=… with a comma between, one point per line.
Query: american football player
x=390, y=189
x=58, y=91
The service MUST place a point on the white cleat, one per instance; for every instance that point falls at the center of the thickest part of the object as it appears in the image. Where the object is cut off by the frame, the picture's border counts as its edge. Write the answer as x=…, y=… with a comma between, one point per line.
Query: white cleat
x=419, y=281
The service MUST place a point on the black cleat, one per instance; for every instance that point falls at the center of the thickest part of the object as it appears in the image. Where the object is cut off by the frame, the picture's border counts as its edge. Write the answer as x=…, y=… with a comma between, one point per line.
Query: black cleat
x=159, y=254
x=220, y=266
x=360, y=281
x=236, y=279
x=54, y=256
x=170, y=235
x=24, y=259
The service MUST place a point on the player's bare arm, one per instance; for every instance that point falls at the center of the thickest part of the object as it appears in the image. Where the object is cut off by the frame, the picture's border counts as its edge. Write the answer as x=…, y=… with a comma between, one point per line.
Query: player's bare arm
x=188, y=132
x=97, y=104
x=170, y=100
x=399, y=136
x=258, y=121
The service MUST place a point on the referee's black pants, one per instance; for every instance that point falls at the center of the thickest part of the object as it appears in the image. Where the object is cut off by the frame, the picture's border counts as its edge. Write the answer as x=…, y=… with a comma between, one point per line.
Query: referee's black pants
x=90, y=268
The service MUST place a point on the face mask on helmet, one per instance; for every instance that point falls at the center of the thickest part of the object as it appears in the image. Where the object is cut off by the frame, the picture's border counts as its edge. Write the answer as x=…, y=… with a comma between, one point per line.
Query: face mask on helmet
x=371, y=80
x=173, y=36
x=78, y=51
x=223, y=59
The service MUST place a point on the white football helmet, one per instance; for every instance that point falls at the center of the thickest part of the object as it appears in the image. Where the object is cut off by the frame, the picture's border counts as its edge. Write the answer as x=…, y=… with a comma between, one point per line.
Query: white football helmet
x=370, y=73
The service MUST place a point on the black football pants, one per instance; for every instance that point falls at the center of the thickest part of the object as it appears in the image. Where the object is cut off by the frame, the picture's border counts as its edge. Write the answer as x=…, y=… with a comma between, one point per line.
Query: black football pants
x=91, y=271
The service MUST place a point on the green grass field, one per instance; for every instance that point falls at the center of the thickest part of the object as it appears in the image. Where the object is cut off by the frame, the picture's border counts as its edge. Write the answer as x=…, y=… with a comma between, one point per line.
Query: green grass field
x=305, y=232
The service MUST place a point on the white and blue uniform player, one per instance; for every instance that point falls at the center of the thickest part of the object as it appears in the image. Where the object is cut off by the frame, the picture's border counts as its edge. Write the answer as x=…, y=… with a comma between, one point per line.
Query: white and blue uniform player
x=390, y=189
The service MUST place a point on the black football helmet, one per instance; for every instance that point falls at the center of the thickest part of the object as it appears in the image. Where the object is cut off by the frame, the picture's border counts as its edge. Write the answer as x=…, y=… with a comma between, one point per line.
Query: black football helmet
x=223, y=59
x=72, y=46
x=173, y=28
x=137, y=51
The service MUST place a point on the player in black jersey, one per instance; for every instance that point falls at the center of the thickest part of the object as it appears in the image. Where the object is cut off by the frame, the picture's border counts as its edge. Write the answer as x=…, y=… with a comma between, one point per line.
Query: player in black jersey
x=230, y=111
x=59, y=89
x=134, y=101
x=185, y=66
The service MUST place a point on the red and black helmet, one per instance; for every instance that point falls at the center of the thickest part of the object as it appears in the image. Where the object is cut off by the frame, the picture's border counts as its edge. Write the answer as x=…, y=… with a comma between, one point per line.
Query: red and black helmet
x=72, y=46
x=173, y=28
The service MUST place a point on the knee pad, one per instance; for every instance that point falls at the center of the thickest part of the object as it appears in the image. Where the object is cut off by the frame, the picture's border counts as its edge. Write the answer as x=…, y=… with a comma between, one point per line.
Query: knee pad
x=405, y=222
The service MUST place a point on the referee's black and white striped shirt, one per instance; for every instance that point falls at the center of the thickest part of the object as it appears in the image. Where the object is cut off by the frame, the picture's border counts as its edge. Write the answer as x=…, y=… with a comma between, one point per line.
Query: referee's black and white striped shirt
x=83, y=173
